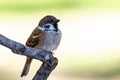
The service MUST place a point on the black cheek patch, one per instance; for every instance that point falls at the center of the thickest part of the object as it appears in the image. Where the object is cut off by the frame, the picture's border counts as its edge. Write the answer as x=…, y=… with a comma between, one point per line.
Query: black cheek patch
x=47, y=26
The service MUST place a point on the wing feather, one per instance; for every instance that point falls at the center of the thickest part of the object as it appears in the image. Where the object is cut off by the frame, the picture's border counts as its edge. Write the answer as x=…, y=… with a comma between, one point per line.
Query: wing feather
x=33, y=40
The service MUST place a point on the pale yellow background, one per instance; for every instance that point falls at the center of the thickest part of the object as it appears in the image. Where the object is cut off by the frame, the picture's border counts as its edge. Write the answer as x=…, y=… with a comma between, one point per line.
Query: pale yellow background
x=90, y=45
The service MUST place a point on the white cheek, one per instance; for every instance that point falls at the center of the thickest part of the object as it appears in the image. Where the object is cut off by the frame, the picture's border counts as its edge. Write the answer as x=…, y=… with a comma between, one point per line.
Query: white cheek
x=48, y=29
x=51, y=27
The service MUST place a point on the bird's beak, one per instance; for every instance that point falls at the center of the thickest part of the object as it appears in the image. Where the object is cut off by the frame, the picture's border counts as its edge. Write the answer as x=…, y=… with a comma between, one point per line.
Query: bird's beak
x=57, y=20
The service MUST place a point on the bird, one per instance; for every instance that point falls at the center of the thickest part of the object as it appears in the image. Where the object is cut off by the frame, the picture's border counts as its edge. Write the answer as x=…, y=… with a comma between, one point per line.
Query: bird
x=45, y=36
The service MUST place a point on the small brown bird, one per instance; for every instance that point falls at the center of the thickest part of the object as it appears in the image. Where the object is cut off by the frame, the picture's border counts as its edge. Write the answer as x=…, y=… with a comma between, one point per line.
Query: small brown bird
x=45, y=36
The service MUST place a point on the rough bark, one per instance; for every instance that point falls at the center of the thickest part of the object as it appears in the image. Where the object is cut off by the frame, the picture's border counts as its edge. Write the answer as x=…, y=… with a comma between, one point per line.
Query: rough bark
x=49, y=62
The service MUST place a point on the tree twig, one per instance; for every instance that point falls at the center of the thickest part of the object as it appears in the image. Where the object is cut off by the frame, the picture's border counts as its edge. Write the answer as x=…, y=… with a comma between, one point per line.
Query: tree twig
x=49, y=62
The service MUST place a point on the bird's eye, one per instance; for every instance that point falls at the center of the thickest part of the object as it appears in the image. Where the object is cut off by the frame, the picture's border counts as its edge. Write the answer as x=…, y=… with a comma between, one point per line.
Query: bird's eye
x=47, y=26
x=51, y=20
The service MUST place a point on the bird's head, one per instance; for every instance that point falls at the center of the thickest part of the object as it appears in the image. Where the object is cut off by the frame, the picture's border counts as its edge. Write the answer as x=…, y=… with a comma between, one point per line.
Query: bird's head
x=49, y=22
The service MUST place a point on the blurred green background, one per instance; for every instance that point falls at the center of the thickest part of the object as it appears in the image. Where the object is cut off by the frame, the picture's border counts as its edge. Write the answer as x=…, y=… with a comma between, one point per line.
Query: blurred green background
x=90, y=46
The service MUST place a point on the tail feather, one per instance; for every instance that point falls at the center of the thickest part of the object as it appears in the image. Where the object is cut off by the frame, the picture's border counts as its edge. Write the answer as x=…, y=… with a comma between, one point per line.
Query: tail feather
x=26, y=67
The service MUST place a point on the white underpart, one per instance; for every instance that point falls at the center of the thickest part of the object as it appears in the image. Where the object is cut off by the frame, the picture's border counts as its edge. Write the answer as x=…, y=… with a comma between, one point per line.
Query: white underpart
x=52, y=38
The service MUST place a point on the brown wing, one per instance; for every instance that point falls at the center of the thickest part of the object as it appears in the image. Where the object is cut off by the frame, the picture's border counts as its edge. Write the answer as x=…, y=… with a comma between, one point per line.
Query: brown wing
x=34, y=38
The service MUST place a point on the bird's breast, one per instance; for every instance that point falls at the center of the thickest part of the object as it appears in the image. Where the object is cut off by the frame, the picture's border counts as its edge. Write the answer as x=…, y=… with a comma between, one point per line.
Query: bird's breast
x=51, y=40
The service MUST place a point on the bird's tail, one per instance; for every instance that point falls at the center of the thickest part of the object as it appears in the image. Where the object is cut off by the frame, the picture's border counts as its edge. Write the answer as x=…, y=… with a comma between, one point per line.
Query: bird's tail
x=26, y=66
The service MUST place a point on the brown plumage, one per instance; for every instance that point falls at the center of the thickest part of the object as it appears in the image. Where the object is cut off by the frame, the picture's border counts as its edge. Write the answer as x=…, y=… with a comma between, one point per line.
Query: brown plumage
x=43, y=37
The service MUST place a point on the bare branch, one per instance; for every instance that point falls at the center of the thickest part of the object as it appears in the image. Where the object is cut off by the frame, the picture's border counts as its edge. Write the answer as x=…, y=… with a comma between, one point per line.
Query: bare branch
x=49, y=61
x=44, y=71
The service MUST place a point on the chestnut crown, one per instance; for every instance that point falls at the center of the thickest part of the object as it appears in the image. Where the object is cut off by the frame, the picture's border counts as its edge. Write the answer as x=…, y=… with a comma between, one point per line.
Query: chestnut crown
x=48, y=19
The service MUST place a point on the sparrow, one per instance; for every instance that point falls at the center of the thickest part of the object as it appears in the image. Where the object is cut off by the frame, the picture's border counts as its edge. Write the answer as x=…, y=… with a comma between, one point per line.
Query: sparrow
x=45, y=36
